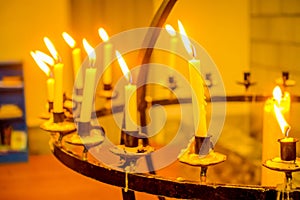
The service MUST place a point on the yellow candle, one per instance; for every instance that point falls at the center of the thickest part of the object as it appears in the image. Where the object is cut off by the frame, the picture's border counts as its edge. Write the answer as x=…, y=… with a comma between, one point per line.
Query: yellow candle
x=58, y=88
x=76, y=57
x=50, y=89
x=130, y=107
x=88, y=95
x=198, y=100
x=107, y=76
x=173, y=44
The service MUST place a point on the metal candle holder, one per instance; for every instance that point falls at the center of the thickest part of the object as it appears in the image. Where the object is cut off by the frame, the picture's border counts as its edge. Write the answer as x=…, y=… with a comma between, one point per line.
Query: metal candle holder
x=288, y=149
x=200, y=153
x=108, y=92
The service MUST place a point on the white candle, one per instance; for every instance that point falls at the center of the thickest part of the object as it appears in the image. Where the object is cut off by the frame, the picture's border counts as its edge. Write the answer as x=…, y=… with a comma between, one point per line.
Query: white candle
x=198, y=100
x=107, y=75
x=50, y=89
x=89, y=85
x=130, y=107
x=58, y=88
x=76, y=57
x=88, y=95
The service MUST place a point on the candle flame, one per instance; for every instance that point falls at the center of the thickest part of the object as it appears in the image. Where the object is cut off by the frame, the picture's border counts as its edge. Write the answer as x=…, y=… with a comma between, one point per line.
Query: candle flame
x=90, y=51
x=170, y=30
x=51, y=48
x=124, y=67
x=40, y=63
x=69, y=40
x=186, y=42
x=44, y=57
x=103, y=35
x=277, y=94
x=284, y=126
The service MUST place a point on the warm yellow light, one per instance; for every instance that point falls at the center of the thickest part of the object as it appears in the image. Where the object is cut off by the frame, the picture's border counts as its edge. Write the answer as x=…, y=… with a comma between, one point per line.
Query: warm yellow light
x=277, y=94
x=103, y=35
x=90, y=51
x=40, y=63
x=170, y=30
x=44, y=57
x=69, y=40
x=51, y=48
x=123, y=66
x=186, y=42
x=284, y=126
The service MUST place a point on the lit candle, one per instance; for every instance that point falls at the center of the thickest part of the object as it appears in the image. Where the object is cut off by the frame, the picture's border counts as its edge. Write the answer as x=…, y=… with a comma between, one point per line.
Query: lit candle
x=107, y=76
x=130, y=97
x=40, y=58
x=198, y=100
x=274, y=108
x=173, y=43
x=89, y=84
x=76, y=58
x=58, y=78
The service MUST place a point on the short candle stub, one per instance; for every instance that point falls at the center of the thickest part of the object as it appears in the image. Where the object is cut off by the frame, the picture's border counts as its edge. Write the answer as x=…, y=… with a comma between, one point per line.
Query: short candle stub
x=129, y=138
x=58, y=117
x=285, y=76
x=107, y=87
x=50, y=104
x=288, y=148
x=202, y=145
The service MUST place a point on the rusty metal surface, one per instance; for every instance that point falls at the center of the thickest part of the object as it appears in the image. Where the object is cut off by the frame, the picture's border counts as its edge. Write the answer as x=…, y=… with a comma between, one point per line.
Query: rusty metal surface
x=163, y=186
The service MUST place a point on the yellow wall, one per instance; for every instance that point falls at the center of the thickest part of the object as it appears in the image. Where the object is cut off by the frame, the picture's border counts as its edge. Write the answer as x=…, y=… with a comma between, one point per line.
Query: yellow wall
x=23, y=26
x=222, y=28
x=219, y=26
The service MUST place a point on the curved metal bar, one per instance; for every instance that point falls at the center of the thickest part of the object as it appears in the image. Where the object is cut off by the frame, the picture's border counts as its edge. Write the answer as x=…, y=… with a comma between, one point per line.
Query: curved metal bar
x=162, y=186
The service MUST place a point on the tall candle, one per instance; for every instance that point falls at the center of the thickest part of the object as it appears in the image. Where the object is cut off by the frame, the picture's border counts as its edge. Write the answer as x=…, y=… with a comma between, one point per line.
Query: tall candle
x=173, y=44
x=271, y=133
x=107, y=75
x=89, y=85
x=130, y=107
x=58, y=88
x=58, y=78
x=76, y=59
x=198, y=100
x=88, y=95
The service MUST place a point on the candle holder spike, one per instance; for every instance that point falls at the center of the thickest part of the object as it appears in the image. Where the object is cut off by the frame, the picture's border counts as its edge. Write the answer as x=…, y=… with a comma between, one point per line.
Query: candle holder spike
x=246, y=81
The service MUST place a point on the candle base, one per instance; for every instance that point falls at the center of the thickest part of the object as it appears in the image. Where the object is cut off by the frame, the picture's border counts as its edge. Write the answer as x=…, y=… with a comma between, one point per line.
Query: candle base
x=84, y=129
x=58, y=117
x=129, y=138
x=202, y=145
x=172, y=82
x=288, y=149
